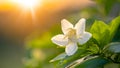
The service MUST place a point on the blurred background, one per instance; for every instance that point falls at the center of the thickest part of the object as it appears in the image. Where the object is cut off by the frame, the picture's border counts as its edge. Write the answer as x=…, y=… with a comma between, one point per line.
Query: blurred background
x=26, y=27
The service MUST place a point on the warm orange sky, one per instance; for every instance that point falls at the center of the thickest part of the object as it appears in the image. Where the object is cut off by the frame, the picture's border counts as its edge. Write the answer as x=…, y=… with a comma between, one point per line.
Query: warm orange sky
x=11, y=4
x=5, y=5
x=13, y=21
x=8, y=4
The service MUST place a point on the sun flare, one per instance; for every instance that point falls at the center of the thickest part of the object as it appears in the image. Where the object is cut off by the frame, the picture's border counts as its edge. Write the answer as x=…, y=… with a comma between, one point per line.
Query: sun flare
x=27, y=3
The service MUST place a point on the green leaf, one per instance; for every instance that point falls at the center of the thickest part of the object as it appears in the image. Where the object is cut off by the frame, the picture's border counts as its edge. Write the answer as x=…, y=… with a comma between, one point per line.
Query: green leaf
x=112, y=65
x=116, y=36
x=112, y=51
x=59, y=57
x=94, y=62
x=73, y=64
x=101, y=33
x=69, y=59
x=114, y=25
x=93, y=49
x=113, y=47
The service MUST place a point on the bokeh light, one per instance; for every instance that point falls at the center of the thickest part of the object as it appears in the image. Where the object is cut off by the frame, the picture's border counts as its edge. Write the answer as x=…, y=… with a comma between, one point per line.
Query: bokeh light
x=27, y=26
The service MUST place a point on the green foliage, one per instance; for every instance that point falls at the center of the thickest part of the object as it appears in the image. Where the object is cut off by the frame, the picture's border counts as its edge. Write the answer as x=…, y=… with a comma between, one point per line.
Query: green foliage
x=99, y=47
x=59, y=57
x=94, y=62
x=42, y=41
x=117, y=36
x=102, y=35
x=66, y=60
x=106, y=5
x=100, y=32
x=112, y=51
x=113, y=47
x=114, y=26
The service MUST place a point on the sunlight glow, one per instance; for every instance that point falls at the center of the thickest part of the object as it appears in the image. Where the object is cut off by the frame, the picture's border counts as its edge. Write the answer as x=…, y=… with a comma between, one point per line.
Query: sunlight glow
x=27, y=3
x=27, y=6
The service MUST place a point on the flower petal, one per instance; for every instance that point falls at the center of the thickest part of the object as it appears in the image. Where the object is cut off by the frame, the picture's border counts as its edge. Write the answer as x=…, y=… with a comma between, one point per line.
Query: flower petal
x=84, y=38
x=80, y=26
x=60, y=40
x=71, y=48
x=65, y=25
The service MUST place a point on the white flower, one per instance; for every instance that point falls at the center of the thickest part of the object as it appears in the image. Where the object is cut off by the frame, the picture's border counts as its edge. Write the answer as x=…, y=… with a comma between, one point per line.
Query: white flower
x=72, y=35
